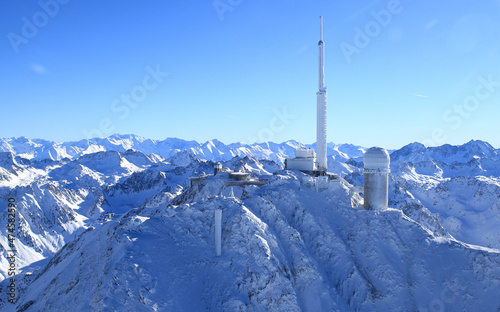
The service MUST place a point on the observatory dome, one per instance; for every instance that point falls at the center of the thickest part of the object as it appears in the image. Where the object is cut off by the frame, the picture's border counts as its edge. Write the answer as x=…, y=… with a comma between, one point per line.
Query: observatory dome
x=376, y=158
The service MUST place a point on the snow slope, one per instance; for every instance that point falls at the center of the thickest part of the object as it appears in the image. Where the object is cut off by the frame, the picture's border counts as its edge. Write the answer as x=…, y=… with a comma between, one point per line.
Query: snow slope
x=459, y=185
x=285, y=248
x=57, y=200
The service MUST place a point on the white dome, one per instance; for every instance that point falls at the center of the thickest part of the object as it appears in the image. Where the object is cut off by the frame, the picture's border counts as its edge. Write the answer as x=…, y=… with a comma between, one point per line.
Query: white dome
x=376, y=158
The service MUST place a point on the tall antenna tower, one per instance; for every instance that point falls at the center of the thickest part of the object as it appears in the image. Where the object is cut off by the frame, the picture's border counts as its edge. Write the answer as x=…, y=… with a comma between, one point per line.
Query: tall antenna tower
x=321, y=106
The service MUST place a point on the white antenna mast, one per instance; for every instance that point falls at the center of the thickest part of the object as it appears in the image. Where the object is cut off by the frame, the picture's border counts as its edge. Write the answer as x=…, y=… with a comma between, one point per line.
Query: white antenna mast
x=321, y=146
x=321, y=28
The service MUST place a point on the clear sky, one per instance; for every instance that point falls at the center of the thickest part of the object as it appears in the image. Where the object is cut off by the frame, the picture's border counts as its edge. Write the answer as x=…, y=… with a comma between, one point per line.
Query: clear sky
x=241, y=70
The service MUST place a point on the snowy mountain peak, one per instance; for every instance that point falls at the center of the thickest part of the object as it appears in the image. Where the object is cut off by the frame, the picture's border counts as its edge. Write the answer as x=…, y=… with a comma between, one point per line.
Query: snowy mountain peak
x=284, y=248
x=183, y=159
x=477, y=147
x=413, y=152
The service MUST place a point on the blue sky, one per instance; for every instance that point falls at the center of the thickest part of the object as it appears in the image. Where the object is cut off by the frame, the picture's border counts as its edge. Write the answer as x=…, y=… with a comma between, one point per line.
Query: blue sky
x=240, y=70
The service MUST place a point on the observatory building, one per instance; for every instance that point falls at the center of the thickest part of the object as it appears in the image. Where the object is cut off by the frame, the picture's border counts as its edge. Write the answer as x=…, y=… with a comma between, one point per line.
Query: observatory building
x=377, y=162
x=305, y=159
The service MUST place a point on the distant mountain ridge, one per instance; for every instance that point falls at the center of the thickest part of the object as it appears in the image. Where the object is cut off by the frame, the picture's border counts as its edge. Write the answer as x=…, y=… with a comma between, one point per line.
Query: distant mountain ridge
x=39, y=149
x=446, y=153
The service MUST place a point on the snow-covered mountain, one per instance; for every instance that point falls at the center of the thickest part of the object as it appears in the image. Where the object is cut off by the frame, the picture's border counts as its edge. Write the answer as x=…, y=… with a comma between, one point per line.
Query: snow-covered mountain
x=285, y=248
x=122, y=205
x=57, y=200
x=460, y=185
x=37, y=149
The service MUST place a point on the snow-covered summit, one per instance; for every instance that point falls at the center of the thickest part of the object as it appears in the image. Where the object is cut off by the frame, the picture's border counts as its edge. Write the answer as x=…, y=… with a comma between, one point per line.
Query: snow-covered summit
x=37, y=149
x=285, y=245
x=284, y=248
x=417, y=152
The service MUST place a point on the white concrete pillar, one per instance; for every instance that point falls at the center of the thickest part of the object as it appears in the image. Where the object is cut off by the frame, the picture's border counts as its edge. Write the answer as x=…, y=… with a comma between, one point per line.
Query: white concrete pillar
x=218, y=231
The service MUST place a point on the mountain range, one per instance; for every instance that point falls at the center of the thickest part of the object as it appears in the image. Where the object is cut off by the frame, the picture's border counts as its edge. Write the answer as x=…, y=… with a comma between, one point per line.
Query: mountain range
x=38, y=149
x=113, y=224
